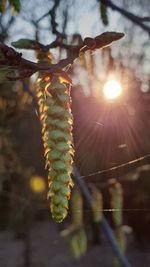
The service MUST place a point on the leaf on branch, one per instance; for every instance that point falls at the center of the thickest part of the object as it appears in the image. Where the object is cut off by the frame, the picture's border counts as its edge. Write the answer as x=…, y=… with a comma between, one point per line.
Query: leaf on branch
x=27, y=44
x=107, y=38
x=101, y=41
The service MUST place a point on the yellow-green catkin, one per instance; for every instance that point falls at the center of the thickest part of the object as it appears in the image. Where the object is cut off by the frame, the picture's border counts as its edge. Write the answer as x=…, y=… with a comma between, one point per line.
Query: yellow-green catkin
x=97, y=204
x=78, y=238
x=116, y=192
x=76, y=208
x=75, y=233
x=54, y=101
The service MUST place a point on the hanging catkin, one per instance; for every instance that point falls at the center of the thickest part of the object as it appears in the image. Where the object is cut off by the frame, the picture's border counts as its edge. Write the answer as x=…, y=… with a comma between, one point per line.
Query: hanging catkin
x=97, y=204
x=116, y=193
x=53, y=94
x=78, y=238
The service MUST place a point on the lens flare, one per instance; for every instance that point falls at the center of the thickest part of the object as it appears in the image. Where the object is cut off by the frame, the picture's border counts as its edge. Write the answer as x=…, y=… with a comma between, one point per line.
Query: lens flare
x=112, y=89
x=37, y=184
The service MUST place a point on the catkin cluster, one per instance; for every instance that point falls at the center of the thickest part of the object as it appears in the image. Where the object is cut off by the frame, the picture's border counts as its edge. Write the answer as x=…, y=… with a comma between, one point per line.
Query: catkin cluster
x=97, y=204
x=78, y=238
x=54, y=107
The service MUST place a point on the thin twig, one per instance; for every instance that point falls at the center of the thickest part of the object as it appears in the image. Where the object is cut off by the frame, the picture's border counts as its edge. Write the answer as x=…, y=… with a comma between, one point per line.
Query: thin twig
x=52, y=14
x=42, y=17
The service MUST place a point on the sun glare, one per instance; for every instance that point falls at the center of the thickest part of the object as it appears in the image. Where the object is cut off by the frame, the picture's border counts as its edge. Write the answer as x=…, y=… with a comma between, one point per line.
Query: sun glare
x=112, y=89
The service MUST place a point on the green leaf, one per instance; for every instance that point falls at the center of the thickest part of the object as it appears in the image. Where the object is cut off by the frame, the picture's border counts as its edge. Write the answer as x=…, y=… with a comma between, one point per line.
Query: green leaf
x=26, y=44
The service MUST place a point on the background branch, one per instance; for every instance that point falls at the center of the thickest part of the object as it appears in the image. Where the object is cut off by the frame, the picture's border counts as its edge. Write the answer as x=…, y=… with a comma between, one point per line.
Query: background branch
x=127, y=14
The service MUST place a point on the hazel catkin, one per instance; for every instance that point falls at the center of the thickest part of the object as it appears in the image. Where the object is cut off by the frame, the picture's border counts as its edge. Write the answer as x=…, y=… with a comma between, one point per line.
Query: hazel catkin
x=55, y=114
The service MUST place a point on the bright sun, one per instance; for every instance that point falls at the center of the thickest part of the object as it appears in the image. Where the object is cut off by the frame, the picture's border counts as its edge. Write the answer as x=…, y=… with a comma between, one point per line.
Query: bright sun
x=112, y=89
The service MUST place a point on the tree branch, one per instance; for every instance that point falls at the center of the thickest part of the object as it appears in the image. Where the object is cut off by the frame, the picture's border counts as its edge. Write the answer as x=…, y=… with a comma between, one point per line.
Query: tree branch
x=145, y=19
x=52, y=13
x=12, y=61
x=126, y=14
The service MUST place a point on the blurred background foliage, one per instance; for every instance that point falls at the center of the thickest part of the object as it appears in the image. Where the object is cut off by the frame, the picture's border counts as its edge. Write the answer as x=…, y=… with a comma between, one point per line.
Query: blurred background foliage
x=106, y=134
